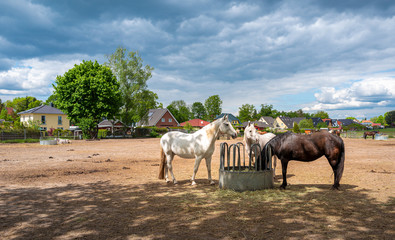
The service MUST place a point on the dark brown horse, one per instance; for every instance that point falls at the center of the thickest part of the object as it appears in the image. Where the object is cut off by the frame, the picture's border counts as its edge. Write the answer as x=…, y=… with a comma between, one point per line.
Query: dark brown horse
x=372, y=133
x=290, y=146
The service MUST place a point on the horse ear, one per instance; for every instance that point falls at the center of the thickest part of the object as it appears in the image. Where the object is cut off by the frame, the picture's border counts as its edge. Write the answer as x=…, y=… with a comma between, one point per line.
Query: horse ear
x=249, y=123
x=225, y=117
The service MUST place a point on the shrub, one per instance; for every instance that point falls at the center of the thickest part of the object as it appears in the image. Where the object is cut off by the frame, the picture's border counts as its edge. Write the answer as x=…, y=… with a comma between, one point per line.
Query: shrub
x=102, y=133
x=153, y=133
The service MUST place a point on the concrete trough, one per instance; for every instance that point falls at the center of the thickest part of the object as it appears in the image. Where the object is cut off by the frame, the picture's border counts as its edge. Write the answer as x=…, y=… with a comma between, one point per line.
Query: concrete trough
x=48, y=142
x=236, y=175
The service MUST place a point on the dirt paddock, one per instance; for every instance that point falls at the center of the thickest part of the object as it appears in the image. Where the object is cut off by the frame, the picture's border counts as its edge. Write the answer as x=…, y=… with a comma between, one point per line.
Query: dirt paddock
x=109, y=189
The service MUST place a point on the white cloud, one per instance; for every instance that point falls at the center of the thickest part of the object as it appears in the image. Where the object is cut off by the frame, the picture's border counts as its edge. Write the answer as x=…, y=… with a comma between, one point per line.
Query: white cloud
x=367, y=93
x=34, y=76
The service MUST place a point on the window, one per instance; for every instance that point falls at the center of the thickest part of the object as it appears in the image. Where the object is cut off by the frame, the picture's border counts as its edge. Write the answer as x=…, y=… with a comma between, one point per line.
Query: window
x=59, y=120
x=42, y=119
x=163, y=120
x=170, y=119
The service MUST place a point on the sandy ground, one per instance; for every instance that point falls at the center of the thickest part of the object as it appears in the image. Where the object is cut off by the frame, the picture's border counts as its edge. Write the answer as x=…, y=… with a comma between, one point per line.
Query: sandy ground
x=109, y=189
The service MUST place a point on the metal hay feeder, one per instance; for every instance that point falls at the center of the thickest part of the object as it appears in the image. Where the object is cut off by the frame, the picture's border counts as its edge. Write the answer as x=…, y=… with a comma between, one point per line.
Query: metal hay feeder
x=238, y=176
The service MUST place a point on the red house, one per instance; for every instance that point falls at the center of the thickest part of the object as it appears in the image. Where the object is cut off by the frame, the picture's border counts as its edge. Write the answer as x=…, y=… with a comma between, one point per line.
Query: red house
x=196, y=123
x=160, y=118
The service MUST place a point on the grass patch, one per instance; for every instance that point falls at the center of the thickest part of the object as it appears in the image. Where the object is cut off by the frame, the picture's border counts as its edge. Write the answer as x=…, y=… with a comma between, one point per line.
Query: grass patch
x=29, y=140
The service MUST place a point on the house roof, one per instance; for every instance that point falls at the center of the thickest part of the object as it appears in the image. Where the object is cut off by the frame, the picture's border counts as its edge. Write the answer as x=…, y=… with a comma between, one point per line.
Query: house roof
x=107, y=123
x=43, y=109
x=154, y=115
x=196, y=123
x=257, y=124
x=345, y=122
x=231, y=117
x=316, y=121
x=268, y=120
x=289, y=122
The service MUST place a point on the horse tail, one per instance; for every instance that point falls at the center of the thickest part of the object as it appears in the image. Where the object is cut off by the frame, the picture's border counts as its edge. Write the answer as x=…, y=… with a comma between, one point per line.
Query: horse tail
x=162, y=163
x=340, y=166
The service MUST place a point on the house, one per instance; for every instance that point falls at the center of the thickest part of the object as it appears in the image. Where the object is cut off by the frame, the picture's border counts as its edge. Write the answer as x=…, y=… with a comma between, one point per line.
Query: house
x=328, y=122
x=46, y=116
x=198, y=123
x=111, y=125
x=232, y=119
x=316, y=121
x=259, y=125
x=286, y=122
x=161, y=117
x=268, y=120
x=343, y=122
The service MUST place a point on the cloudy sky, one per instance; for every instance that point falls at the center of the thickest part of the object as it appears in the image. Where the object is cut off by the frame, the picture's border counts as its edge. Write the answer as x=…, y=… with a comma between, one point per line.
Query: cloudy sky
x=335, y=56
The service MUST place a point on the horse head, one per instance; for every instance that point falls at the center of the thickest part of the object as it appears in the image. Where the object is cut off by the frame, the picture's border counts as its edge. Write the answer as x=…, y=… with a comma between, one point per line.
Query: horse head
x=250, y=133
x=226, y=127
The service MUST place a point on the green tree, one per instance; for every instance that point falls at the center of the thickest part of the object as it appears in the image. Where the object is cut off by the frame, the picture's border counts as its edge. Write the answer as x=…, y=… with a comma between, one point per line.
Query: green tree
x=51, y=100
x=306, y=123
x=321, y=114
x=380, y=119
x=180, y=110
x=88, y=93
x=20, y=104
x=132, y=77
x=390, y=118
x=4, y=115
x=321, y=125
x=145, y=100
x=246, y=112
x=267, y=111
x=296, y=128
x=213, y=105
x=198, y=110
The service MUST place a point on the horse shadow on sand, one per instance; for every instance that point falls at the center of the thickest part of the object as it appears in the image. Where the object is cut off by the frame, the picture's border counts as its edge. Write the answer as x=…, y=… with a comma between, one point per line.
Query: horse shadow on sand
x=157, y=210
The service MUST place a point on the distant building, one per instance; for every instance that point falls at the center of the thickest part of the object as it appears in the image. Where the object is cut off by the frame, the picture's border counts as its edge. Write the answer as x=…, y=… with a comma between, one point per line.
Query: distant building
x=316, y=121
x=160, y=118
x=286, y=122
x=234, y=120
x=268, y=120
x=259, y=125
x=46, y=116
x=199, y=123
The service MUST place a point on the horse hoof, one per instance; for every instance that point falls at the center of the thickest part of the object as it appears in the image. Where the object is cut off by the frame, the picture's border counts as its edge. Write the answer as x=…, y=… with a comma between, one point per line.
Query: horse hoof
x=282, y=187
x=167, y=180
x=335, y=188
x=212, y=183
x=193, y=183
x=175, y=182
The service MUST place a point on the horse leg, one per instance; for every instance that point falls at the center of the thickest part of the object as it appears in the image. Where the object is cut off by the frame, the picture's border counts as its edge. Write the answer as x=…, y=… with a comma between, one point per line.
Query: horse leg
x=284, y=164
x=274, y=166
x=208, y=165
x=195, y=169
x=334, y=165
x=169, y=159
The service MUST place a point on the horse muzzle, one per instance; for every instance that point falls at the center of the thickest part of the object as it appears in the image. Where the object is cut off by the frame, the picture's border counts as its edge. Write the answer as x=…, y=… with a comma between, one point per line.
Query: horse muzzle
x=234, y=135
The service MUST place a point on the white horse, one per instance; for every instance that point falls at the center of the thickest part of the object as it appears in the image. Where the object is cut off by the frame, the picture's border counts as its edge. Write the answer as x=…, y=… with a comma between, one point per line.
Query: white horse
x=251, y=136
x=196, y=145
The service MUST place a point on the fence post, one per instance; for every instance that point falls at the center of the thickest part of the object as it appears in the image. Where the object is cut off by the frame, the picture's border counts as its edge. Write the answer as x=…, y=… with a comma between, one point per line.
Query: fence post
x=24, y=134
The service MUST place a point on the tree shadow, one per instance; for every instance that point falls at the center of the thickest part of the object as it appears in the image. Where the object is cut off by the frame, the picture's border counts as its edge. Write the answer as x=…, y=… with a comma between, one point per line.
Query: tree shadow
x=158, y=210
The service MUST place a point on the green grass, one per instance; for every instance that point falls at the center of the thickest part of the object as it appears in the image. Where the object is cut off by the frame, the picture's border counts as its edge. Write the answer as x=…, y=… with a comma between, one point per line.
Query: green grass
x=29, y=140
x=359, y=134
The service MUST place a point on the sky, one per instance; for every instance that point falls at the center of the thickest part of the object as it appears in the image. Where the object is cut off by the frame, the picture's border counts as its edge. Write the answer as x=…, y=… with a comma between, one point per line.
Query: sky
x=333, y=56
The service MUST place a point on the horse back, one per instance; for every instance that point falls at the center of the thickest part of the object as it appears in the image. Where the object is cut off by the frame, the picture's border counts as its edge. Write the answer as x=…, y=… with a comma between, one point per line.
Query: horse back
x=308, y=147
